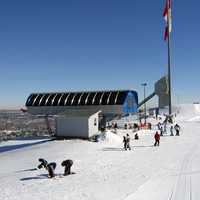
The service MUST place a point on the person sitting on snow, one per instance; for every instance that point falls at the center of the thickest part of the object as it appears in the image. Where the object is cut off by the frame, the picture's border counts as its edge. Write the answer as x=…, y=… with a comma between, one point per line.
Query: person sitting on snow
x=136, y=137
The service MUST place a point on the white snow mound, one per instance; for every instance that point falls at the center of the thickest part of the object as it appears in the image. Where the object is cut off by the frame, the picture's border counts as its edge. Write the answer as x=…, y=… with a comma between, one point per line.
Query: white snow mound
x=112, y=138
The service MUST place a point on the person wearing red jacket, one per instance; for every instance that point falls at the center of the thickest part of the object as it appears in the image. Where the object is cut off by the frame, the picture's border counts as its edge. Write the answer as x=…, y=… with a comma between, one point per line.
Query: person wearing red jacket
x=157, y=139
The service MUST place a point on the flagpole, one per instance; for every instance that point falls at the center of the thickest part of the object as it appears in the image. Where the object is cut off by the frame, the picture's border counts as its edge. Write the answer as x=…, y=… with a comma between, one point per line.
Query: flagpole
x=169, y=66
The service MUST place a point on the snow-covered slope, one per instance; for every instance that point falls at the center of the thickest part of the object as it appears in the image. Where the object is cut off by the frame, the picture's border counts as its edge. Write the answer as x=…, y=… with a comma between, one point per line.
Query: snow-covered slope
x=188, y=112
x=104, y=170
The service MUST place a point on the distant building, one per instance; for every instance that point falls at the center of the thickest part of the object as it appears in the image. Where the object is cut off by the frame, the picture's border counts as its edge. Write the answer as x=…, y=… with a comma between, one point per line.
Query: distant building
x=73, y=109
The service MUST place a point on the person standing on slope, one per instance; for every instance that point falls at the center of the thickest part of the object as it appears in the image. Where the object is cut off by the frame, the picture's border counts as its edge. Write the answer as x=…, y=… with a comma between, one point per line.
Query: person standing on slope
x=128, y=141
x=161, y=131
x=157, y=139
x=177, y=129
x=171, y=131
x=125, y=142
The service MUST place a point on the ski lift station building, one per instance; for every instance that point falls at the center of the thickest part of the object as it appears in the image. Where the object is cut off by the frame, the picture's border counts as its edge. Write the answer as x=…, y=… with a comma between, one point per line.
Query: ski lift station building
x=80, y=114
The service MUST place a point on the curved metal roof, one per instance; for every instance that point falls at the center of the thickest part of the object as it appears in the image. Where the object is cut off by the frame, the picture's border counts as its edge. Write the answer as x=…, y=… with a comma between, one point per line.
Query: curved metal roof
x=79, y=98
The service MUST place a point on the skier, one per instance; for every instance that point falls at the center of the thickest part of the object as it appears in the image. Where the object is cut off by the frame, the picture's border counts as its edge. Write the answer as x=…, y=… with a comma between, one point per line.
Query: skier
x=177, y=129
x=171, y=131
x=157, y=112
x=125, y=126
x=157, y=139
x=161, y=131
x=149, y=126
x=128, y=141
x=67, y=164
x=125, y=143
x=159, y=125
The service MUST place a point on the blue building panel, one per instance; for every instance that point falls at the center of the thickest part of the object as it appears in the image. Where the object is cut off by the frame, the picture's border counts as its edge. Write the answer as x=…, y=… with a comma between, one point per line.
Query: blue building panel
x=131, y=102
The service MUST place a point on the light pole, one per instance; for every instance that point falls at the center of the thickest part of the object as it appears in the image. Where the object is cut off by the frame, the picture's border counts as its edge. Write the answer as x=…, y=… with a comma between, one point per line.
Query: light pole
x=145, y=108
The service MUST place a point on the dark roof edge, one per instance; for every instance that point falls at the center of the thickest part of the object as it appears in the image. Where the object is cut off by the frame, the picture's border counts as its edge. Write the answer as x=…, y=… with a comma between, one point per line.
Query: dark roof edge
x=121, y=90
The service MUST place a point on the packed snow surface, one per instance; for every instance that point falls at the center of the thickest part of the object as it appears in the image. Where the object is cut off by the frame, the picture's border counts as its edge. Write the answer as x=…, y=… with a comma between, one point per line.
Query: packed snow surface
x=189, y=112
x=104, y=170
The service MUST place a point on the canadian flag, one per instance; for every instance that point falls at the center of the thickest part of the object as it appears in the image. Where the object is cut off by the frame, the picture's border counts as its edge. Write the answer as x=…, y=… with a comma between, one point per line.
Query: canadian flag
x=168, y=19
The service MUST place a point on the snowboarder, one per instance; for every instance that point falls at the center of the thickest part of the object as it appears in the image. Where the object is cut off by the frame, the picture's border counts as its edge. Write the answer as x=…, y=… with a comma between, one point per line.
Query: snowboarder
x=177, y=129
x=125, y=143
x=128, y=141
x=157, y=139
x=50, y=168
x=67, y=164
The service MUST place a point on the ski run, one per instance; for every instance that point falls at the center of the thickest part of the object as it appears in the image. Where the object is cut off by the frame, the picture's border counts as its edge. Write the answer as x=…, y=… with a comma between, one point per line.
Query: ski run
x=104, y=170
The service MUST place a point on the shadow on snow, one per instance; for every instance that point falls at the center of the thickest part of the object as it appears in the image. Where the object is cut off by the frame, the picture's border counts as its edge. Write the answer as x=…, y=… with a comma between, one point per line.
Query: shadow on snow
x=113, y=149
x=41, y=176
x=19, y=146
x=122, y=149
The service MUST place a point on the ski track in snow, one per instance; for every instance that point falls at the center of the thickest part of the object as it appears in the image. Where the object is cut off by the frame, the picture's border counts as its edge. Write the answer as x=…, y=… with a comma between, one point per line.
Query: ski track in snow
x=105, y=171
x=182, y=182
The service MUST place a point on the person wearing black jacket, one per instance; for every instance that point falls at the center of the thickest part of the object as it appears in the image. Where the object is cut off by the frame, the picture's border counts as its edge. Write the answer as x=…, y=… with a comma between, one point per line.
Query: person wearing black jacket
x=51, y=168
x=43, y=163
x=128, y=141
x=67, y=164
x=125, y=143
x=177, y=129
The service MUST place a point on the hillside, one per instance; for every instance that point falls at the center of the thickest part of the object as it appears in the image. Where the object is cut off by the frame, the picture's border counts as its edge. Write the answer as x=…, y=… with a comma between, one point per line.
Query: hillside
x=104, y=170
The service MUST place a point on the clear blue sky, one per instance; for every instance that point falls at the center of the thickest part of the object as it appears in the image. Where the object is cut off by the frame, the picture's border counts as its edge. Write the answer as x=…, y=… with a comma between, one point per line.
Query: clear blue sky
x=48, y=45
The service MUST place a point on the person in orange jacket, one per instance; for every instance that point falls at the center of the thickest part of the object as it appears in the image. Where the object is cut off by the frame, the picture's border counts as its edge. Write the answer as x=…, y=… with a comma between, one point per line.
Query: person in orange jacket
x=157, y=139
